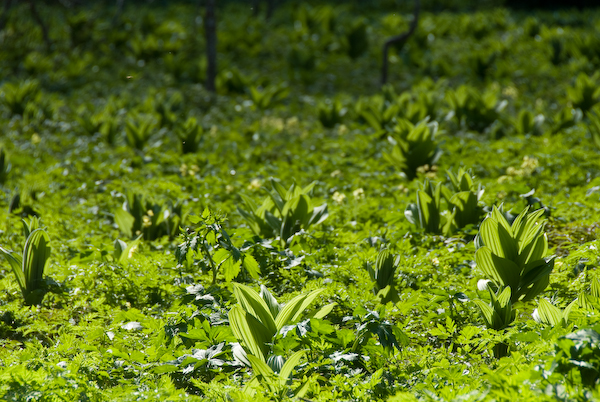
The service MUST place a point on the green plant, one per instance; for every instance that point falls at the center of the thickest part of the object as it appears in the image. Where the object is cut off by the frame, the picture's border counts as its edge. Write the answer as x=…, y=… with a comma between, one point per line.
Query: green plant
x=527, y=123
x=277, y=381
x=139, y=215
x=232, y=81
x=463, y=201
x=4, y=166
x=589, y=301
x=214, y=243
x=474, y=110
x=586, y=92
x=497, y=315
x=378, y=111
x=384, y=276
x=258, y=318
x=91, y=123
x=264, y=98
x=16, y=96
x=427, y=212
x=331, y=113
x=513, y=255
x=138, y=130
x=29, y=268
x=566, y=118
x=124, y=251
x=577, y=358
x=190, y=134
x=461, y=198
x=413, y=146
x=551, y=315
x=284, y=212
x=595, y=127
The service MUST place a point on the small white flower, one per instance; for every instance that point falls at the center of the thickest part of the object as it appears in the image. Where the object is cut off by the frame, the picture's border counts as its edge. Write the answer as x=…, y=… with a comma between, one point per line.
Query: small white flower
x=338, y=197
x=255, y=184
x=359, y=193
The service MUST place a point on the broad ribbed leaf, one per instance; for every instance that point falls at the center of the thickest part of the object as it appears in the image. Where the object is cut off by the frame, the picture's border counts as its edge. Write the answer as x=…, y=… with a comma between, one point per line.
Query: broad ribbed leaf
x=274, y=222
x=120, y=247
x=536, y=288
x=486, y=312
x=412, y=213
x=35, y=258
x=270, y=300
x=533, y=251
x=305, y=303
x=500, y=219
x=323, y=311
x=507, y=244
x=488, y=234
x=249, y=330
x=549, y=314
x=249, y=203
x=504, y=297
x=294, y=308
x=280, y=191
x=595, y=287
x=124, y=221
x=251, y=302
x=384, y=269
x=319, y=214
x=501, y=270
x=16, y=263
x=483, y=259
x=262, y=369
x=308, y=189
x=467, y=211
x=251, y=221
x=517, y=225
x=290, y=363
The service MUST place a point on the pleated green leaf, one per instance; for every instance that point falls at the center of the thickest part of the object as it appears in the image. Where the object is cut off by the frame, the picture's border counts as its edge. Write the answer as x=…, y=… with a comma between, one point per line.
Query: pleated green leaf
x=16, y=263
x=295, y=308
x=124, y=221
x=248, y=329
x=263, y=372
x=288, y=367
x=323, y=311
x=549, y=314
x=251, y=302
x=508, y=245
x=486, y=312
x=270, y=300
x=35, y=258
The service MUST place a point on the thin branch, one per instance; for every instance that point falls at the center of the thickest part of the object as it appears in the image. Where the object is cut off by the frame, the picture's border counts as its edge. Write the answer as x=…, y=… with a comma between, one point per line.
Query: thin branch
x=399, y=39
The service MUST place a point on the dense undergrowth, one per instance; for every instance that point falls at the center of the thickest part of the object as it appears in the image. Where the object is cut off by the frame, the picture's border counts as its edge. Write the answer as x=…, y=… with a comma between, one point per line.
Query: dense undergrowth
x=304, y=232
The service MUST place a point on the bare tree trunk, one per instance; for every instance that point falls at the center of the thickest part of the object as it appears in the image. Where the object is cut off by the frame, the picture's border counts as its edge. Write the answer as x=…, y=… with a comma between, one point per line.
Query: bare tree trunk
x=255, y=8
x=118, y=12
x=270, y=8
x=210, y=26
x=4, y=16
x=40, y=22
x=399, y=39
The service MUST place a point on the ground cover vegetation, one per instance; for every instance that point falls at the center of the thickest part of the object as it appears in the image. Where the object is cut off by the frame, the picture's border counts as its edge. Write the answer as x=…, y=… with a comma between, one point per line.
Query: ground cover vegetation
x=302, y=232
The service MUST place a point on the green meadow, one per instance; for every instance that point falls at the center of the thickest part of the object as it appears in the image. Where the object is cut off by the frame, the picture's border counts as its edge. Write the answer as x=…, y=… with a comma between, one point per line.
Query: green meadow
x=304, y=232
